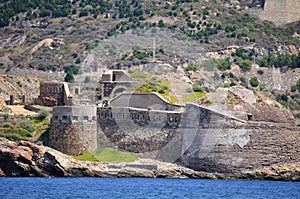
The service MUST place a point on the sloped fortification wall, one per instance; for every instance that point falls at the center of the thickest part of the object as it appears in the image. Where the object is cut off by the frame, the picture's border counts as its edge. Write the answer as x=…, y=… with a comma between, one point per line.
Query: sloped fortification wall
x=73, y=129
x=235, y=147
x=281, y=11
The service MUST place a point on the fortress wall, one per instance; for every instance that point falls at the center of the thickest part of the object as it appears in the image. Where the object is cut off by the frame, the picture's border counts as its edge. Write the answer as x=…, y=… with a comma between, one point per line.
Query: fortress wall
x=198, y=138
x=53, y=90
x=232, y=146
x=235, y=151
x=138, y=140
x=73, y=129
x=166, y=135
x=136, y=130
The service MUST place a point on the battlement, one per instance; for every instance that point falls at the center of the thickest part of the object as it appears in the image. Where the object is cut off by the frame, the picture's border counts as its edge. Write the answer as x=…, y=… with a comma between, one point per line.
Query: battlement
x=73, y=114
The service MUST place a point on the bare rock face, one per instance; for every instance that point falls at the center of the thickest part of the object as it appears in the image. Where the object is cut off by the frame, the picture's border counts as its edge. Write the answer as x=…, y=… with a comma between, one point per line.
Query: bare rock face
x=27, y=159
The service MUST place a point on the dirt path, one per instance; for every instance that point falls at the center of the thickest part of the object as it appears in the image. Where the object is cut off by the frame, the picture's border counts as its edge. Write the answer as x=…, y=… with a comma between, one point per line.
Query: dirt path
x=18, y=110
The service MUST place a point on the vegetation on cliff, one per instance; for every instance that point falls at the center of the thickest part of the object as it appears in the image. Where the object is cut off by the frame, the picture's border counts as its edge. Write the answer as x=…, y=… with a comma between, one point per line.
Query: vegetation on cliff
x=82, y=24
x=107, y=155
x=19, y=127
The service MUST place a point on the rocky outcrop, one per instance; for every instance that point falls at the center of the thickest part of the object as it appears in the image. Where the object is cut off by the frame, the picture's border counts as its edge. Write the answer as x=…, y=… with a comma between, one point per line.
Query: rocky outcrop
x=27, y=159
x=290, y=172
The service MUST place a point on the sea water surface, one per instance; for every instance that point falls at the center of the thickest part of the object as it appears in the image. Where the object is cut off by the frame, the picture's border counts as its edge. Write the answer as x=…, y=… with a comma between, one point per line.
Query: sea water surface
x=60, y=188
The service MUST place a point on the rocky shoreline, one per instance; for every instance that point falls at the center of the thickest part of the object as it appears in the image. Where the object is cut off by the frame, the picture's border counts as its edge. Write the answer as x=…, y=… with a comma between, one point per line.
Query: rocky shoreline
x=25, y=159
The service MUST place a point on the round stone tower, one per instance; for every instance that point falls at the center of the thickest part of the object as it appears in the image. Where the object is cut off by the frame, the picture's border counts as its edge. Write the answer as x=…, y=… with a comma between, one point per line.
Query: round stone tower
x=73, y=129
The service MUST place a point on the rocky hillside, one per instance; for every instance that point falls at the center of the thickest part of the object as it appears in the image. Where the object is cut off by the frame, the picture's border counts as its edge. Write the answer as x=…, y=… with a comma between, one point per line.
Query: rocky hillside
x=202, y=45
x=55, y=34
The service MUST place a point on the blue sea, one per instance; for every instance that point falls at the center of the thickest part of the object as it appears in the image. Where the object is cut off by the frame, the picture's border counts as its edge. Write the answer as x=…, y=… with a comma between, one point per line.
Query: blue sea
x=61, y=188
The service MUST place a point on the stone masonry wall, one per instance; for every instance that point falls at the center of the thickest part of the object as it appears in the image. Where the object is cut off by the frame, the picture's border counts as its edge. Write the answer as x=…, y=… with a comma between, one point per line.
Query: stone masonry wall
x=136, y=130
x=233, y=147
x=73, y=129
x=198, y=138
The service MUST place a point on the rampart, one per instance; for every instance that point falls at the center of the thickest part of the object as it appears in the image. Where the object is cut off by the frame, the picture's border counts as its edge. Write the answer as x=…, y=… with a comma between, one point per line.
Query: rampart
x=196, y=137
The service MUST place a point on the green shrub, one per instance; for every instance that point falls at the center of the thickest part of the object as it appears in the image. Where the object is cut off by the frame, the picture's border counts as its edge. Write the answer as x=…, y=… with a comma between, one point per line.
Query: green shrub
x=7, y=125
x=282, y=97
x=26, y=124
x=77, y=61
x=224, y=64
x=192, y=67
x=260, y=72
x=197, y=88
x=69, y=77
x=294, y=88
x=245, y=64
x=254, y=82
x=43, y=114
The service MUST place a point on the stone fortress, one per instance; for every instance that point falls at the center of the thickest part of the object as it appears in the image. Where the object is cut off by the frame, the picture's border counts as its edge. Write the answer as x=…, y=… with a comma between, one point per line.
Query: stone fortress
x=146, y=124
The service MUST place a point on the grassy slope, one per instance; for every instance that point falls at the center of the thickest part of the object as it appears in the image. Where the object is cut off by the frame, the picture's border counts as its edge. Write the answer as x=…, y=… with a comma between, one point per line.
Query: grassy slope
x=190, y=97
x=107, y=155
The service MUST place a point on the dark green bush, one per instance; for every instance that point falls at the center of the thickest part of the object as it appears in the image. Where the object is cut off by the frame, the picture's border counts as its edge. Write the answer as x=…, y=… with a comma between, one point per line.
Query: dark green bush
x=254, y=82
x=43, y=114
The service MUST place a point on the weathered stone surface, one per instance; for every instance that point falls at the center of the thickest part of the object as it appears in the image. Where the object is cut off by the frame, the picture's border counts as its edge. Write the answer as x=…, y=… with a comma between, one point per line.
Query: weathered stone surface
x=74, y=129
x=14, y=161
x=48, y=162
x=289, y=172
x=2, y=103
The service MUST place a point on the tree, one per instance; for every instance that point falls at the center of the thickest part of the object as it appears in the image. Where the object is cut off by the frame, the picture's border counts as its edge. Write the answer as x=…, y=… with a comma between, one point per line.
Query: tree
x=197, y=88
x=245, y=65
x=43, y=114
x=224, y=64
x=83, y=12
x=69, y=76
x=254, y=82
x=77, y=61
x=161, y=24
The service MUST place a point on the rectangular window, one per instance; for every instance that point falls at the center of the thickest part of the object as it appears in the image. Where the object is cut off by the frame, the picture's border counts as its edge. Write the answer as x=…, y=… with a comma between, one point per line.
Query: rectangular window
x=75, y=118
